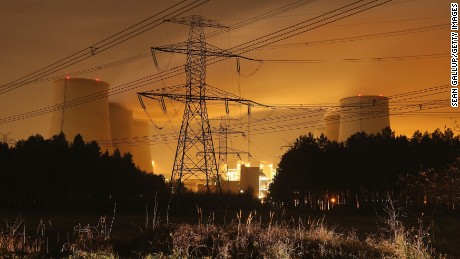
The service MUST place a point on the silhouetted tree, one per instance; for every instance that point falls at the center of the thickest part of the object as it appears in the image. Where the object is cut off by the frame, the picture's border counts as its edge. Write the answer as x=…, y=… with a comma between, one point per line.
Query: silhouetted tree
x=360, y=171
x=434, y=187
x=53, y=174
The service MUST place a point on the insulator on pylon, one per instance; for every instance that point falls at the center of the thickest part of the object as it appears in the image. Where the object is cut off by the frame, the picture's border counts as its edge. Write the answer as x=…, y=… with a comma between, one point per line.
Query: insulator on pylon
x=155, y=61
x=227, y=110
x=238, y=66
x=163, y=104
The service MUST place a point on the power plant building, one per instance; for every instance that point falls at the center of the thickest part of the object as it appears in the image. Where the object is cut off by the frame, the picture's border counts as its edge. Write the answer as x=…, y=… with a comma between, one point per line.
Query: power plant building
x=249, y=181
x=121, y=127
x=142, y=155
x=363, y=113
x=111, y=124
x=90, y=120
x=332, y=125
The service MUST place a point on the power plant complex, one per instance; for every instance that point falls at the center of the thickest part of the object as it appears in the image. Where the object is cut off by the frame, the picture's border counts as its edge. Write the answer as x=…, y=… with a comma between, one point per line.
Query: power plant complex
x=369, y=114
x=111, y=124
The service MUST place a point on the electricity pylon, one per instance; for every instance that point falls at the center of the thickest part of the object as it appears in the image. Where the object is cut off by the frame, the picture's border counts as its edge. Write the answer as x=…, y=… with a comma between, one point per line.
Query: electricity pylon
x=195, y=155
x=224, y=150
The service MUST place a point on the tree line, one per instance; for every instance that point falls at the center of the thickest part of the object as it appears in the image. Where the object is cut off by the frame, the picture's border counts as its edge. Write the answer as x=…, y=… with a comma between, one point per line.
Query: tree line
x=320, y=174
x=53, y=174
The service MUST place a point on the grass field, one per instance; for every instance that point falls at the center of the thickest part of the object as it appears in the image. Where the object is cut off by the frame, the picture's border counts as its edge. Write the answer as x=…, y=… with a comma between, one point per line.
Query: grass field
x=228, y=234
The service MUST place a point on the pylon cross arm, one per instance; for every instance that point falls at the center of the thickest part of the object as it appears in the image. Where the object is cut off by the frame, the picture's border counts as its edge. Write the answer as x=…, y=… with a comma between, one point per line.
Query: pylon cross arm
x=207, y=51
x=196, y=20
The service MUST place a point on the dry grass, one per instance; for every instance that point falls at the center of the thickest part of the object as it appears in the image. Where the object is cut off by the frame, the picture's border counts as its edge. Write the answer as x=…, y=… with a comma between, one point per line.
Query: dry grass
x=405, y=243
x=248, y=238
x=91, y=241
x=15, y=239
x=245, y=237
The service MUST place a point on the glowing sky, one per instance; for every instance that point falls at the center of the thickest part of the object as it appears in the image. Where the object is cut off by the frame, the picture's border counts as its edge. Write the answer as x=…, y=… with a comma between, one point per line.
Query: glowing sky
x=37, y=33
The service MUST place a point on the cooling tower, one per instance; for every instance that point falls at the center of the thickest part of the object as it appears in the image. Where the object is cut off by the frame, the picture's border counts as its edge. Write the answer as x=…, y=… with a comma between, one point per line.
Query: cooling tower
x=318, y=131
x=90, y=119
x=332, y=125
x=363, y=113
x=141, y=151
x=121, y=125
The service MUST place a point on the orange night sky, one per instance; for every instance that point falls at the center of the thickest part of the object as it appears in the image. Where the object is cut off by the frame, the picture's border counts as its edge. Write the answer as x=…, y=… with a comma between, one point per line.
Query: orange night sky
x=399, y=47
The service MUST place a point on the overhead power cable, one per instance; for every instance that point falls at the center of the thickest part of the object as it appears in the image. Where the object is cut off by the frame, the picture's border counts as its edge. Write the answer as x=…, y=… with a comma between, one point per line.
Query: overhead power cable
x=405, y=112
x=96, y=68
x=105, y=44
x=20, y=10
x=95, y=48
x=264, y=16
x=320, y=121
x=292, y=45
x=288, y=32
x=376, y=59
x=360, y=37
x=394, y=101
x=289, y=122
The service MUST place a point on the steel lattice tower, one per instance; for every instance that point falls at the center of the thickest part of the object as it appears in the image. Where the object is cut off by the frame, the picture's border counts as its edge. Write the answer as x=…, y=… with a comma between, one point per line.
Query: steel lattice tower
x=195, y=156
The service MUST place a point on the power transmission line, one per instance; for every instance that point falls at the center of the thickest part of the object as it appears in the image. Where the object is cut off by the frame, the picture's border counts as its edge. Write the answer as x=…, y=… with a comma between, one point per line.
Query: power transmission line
x=20, y=10
x=376, y=59
x=360, y=37
x=279, y=35
x=235, y=26
x=311, y=113
x=105, y=44
x=292, y=45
